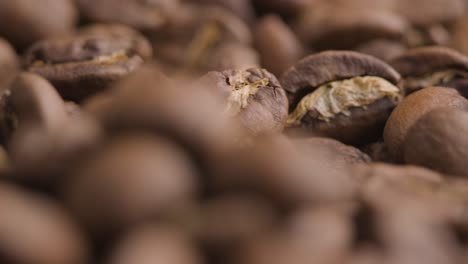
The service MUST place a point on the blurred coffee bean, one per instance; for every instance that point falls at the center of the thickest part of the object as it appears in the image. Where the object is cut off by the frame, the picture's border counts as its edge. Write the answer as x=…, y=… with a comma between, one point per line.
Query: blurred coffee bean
x=430, y=66
x=385, y=50
x=436, y=141
x=32, y=100
x=410, y=179
x=82, y=64
x=42, y=157
x=241, y=8
x=411, y=109
x=155, y=244
x=344, y=154
x=320, y=235
x=340, y=26
x=147, y=15
x=25, y=21
x=277, y=45
x=228, y=221
x=149, y=101
x=130, y=179
x=274, y=167
x=34, y=229
x=9, y=64
x=253, y=96
x=429, y=12
x=341, y=94
x=196, y=36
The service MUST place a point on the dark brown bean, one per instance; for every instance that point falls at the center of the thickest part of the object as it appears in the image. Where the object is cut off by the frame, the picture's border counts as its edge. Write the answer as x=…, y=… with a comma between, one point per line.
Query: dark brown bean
x=430, y=66
x=340, y=94
x=87, y=62
x=254, y=96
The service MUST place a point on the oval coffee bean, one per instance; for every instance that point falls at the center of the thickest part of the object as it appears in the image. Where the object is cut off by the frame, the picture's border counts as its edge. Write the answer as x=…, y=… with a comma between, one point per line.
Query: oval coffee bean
x=32, y=101
x=254, y=96
x=437, y=141
x=241, y=8
x=429, y=12
x=327, y=229
x=130, y=179
x=203, y=38
x=142, y=15
x=155, y=244
x=411, y=109
x=25, y=21
x=228, y=220
x=34, y=229
x=274, y=166
x=383, y=49
x=430, y=66
x=343, y=154
x=341, y=94
x=347, y=27
x=82, y=64
x=277, y=45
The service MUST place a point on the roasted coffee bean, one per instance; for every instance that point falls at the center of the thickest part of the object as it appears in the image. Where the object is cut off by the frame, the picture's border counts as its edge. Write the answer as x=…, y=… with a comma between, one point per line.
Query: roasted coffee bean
x=43, y=158
x=241, y=8
x=39, y=133
x=275, y=167
x=130, y=179
x=410, y=179
x=406, y=229
x=277, y=45
x=340, y=94
x=85, y=63
x=204, y=38
x=25, y=21
x=343, y=154
x=411, y=109
x=35, y=229
x=319, y=235
x=155, y=244
x=385, y=50
x=32, y=101
x=335, y=26
x=253, y=96
x=436, y=141
x=430, y=12
x=147, y=15
x=228, y=221
x=430, y=66
x=9, y=64
x=149, y=101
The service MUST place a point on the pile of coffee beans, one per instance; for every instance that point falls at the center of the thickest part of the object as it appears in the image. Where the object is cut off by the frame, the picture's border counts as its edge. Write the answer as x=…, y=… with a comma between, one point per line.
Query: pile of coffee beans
x=233, y=131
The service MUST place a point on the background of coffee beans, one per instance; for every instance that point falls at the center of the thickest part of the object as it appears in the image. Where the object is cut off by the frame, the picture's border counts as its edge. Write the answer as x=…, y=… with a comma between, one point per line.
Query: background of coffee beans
x=233, y=131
